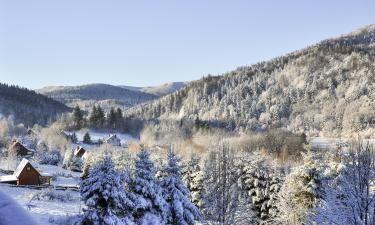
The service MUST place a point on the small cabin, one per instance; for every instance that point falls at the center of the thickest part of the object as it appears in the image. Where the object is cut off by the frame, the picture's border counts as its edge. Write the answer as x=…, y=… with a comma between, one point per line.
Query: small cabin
x=113, y=140
x=26, y=174
x=19, y=149
x=30, y=133
x=79, y=151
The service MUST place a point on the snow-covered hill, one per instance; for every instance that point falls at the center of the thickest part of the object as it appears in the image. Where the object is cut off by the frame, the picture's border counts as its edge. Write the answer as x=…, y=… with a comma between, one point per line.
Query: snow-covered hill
x=105, y=95
x=323, y=90
x=160, y=90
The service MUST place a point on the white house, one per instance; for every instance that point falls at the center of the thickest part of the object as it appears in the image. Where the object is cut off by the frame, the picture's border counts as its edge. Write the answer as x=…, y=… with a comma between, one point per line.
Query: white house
x=113, y=140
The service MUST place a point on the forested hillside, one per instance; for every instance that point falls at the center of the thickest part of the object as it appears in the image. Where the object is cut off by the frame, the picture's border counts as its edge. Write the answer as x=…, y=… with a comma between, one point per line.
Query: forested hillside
x=105, y=95
x=326, y=89
x=160, y=90
x=28, y=107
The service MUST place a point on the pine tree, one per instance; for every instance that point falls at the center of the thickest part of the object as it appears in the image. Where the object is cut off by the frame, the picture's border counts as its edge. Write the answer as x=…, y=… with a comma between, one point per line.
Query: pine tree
x=221, y=189
x=180, y=210
x=105, y=197
x=261, y=185
x=151, y=207
x=193, y=179
x=111, y=120
x=119, y=119
x=77, y=117
x=100, y=118
x=93, y=117
x=74, y=138
x=87, y=138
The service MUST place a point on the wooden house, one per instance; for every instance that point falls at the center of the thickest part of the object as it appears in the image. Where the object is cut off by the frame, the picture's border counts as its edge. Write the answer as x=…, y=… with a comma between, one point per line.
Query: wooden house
x=26, y=174
x=19, y=149
x=79, y=151
x=113, y=140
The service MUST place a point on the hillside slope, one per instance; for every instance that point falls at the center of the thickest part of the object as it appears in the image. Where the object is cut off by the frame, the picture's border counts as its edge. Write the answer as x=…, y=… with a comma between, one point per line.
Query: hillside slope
x=159, y=90
x=27, y=106
x=327, y=89
x=102, y=94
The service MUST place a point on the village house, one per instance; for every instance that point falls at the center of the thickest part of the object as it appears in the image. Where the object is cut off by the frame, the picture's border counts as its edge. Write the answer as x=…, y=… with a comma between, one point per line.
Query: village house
x=113, y=140
x=19, y=149
x=26, y=174
x=79, y=151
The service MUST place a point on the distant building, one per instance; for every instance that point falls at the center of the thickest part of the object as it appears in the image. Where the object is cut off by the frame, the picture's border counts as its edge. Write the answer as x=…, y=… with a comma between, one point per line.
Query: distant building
x=19, y=149
x=26, y=174
x=30, y=132
x=113, y=140
x=79, y=151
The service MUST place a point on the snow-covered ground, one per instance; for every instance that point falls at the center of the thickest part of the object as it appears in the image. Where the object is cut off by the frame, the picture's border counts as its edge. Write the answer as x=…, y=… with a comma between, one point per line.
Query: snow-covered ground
x=95, y=136
x=333, y=143
x=12, y=213
x=43, y=210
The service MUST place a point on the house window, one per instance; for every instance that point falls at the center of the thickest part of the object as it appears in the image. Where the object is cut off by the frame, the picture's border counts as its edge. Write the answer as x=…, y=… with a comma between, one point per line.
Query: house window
x=28, y=168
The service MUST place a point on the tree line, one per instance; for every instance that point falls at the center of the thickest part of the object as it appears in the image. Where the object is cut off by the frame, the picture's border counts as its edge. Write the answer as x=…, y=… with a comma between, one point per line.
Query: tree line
x=97, y=118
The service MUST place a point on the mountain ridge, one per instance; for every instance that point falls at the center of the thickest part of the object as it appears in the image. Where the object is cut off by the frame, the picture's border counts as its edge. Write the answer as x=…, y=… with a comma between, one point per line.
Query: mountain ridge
x=312, y=90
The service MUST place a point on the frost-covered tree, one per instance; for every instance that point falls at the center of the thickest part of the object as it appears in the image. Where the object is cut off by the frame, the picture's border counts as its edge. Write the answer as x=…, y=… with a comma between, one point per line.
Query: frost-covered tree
x=105, y=197
x=301, y=191
x=349, y=197
x=76, y=164
x=192, y=176
x=261, y=184
x=77, y=118
x=68, y=157
x=87, y=138
x=181, y=211
x=221, y=188
x=151, y=208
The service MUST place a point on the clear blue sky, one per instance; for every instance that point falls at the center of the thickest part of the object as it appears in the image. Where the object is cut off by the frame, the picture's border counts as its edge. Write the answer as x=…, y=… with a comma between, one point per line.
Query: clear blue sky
x=142, y=43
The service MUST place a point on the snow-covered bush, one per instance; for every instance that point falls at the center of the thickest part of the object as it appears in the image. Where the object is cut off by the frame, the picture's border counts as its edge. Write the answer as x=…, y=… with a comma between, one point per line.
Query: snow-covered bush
x=65, y=220
x=76, y=164
x=68, y=157
x=53, y=195
x=49, y=158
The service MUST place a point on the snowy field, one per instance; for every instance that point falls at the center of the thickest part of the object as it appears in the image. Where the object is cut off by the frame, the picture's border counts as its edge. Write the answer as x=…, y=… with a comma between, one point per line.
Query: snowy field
x=333, y=143
x=95, y=136
x=44, y=209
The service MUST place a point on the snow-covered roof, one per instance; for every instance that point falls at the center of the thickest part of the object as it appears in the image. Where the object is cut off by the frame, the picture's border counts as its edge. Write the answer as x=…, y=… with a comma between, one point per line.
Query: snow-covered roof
x=20, y=167
x=112, y=137
x=8, y=178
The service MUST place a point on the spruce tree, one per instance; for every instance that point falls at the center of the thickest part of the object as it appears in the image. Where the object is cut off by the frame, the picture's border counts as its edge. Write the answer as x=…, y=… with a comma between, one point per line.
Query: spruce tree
x=193, y=179
x=151, y=207
x=74, y=138
x=119, y=119
x=93, y=117
x=181, y=211
x=100, y=118
x=87, y=138
x=77, y=117
x=105, y=197
x=111, y=120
